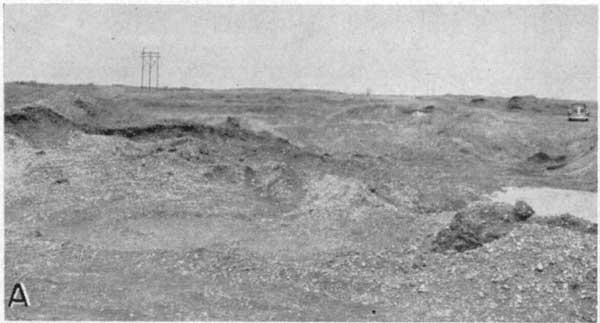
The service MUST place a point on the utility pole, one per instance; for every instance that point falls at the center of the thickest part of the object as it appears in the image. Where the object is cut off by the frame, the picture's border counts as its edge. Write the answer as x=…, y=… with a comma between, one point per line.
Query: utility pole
x=150, y=73
x=150, y=59
x=143, y=63
x=431, y=88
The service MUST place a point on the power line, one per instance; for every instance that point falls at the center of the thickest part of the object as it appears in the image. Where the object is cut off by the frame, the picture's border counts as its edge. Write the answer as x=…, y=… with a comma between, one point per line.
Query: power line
x=150, y=60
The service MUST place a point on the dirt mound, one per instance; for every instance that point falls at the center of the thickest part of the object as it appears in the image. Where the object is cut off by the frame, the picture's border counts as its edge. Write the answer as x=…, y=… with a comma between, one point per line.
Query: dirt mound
x=39, y=125
x=177, y=129
x=478, y=100
x=549, y=162
x=522, y=211
x=531, y=103
x=542, y=157
x=480, y=224
x=515, y=103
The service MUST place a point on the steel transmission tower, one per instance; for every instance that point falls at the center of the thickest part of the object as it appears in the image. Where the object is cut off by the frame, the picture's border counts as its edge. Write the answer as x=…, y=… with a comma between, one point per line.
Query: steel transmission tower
x=150, y=61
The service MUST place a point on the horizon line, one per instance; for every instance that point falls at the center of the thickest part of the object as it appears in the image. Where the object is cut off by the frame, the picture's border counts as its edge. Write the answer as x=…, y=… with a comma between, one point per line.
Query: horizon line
x=183, y=87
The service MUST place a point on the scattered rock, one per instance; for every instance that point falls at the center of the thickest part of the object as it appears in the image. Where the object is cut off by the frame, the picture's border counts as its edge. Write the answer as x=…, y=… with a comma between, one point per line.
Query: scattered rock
x=61, y=181
x=539, y=267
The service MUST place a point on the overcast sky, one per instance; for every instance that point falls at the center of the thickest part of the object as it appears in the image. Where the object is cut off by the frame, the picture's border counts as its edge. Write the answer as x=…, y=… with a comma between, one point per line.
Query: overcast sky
x=547, y=51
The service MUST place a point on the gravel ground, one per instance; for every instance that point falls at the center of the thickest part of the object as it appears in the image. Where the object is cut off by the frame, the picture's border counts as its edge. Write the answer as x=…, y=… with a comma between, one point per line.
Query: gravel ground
x=289, y=205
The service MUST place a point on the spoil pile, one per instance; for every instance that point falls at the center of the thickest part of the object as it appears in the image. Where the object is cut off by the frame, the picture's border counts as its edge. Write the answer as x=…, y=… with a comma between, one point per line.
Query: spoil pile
x=39, y=125
x=549, y=162
x=532, y=103
x=480, y=224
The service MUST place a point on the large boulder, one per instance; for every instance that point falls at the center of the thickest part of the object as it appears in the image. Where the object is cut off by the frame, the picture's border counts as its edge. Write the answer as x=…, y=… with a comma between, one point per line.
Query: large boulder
x=522, y=211
x=480, y=223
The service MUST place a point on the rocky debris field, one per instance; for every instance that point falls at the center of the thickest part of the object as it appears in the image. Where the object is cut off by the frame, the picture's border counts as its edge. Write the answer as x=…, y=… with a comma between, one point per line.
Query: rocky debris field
x=296, y=205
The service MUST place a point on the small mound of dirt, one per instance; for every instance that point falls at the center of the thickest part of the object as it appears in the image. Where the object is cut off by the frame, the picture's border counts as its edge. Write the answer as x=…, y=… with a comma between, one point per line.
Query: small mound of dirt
x=427, y=109
x=542, y=157
x=35, y=115
x=170, y=129
x=549, y=162
x=479, y=224
x=532, y=103
x=515, y=103
x=39, y=125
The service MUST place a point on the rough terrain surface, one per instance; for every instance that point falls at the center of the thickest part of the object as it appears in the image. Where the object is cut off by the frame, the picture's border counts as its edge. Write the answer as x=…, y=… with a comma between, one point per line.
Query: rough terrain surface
x=257, y=204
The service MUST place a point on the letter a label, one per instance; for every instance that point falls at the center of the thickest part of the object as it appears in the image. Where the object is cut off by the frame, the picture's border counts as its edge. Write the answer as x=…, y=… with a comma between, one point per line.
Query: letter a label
x=19, y=295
